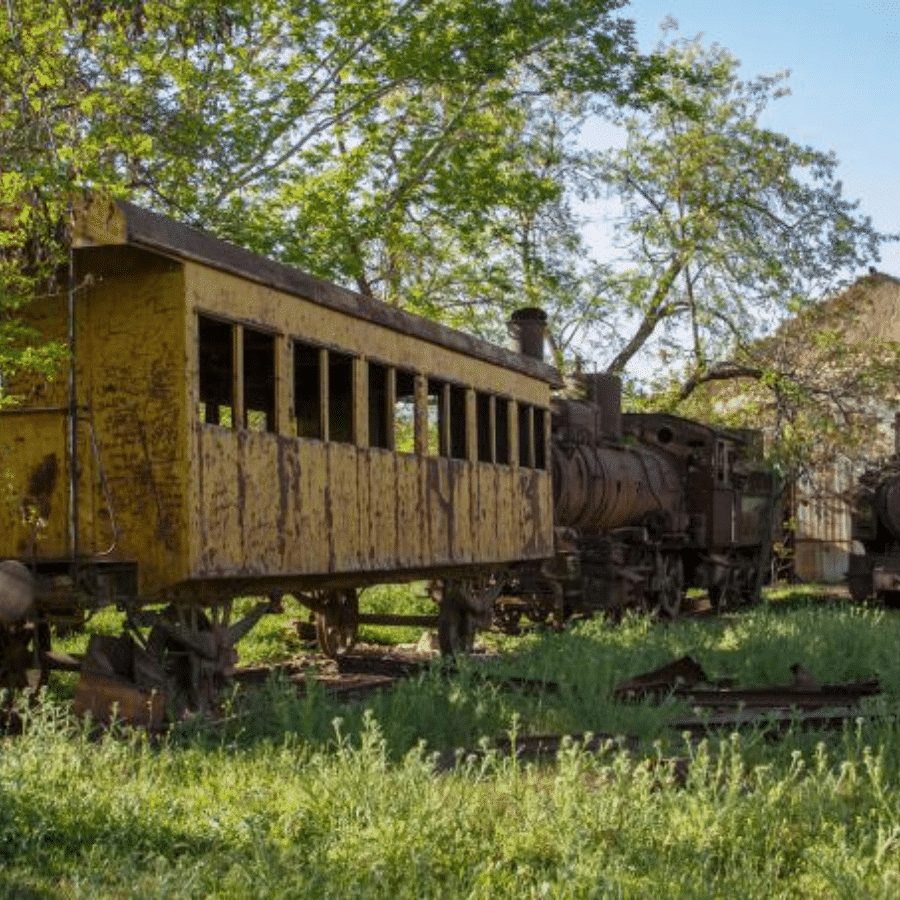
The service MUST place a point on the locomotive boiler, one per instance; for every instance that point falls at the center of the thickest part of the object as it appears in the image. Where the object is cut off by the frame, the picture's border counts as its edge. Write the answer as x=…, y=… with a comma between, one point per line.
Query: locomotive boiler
x=646, y=506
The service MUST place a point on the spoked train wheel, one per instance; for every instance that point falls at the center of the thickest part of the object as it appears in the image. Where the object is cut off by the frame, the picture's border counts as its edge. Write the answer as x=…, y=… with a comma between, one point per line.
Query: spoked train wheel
x=456, y=621
x=337, y=622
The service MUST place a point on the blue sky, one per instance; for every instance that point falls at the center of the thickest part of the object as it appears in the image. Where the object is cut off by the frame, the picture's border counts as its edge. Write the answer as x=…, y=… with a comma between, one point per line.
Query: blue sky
x=844, y=57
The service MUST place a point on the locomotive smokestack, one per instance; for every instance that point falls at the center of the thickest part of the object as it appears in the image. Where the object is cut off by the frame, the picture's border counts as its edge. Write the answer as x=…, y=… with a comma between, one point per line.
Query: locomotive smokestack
x=528, y=325
x=605, y=390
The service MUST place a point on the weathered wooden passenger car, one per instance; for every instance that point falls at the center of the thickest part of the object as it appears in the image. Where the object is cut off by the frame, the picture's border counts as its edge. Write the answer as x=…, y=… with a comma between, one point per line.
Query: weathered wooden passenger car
x=234, y=426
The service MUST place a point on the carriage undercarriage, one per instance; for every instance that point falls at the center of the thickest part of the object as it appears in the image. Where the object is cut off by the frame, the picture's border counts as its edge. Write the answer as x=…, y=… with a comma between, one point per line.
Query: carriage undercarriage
x=178, y=656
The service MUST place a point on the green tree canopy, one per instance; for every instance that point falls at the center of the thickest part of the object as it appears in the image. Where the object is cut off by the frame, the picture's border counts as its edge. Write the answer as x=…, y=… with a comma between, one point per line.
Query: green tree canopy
x=725, y=227
x=372, y=143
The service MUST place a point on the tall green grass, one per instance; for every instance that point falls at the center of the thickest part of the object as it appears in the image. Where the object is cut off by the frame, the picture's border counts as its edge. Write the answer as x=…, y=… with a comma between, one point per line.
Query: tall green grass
x=293, y=795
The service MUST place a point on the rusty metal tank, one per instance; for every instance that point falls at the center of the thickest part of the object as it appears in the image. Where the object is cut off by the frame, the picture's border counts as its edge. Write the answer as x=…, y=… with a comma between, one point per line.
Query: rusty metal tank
x=600, y=485
x=887, y=503
x=16, y=592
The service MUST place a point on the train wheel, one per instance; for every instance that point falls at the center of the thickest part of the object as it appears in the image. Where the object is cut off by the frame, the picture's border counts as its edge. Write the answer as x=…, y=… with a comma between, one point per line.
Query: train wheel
x=22, y=656
x=667, y=600
x=456, y=621
x=337, y=622
x=193, y=646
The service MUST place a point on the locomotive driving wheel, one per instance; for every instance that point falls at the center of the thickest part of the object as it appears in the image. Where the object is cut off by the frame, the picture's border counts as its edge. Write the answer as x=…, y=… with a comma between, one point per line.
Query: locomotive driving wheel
x=666, y=600
x=337, y=621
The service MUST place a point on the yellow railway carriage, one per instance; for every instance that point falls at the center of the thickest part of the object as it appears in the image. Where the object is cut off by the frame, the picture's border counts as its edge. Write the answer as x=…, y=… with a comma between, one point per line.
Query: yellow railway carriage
x=234, y=426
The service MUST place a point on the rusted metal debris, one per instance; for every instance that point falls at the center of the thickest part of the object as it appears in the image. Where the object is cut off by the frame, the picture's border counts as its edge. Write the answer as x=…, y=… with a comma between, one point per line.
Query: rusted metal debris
x=804, y=700
x=684, y=671
x=106, y=697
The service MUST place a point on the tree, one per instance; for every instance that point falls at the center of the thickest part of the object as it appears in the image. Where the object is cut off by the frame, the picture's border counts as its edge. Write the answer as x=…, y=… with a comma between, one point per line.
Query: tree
x=725, y=226
x=57, y=134
x=822, y=386
x=370, y=143
x=358, y=133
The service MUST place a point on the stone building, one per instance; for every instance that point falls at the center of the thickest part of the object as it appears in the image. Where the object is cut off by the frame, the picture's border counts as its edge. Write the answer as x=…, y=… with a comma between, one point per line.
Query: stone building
x=819, y=508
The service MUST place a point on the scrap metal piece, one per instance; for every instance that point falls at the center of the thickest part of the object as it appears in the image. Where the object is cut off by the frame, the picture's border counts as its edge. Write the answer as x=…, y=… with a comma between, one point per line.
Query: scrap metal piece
x=684, y=671
x=780, y=697
x=106, y=697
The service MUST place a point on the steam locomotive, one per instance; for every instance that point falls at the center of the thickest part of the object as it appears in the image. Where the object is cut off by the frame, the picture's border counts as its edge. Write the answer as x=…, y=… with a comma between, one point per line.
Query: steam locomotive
x=646, y=506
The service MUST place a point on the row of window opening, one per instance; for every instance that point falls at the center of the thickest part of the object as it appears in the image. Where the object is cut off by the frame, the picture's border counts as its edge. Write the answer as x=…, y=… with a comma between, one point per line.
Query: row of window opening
x=401, y=406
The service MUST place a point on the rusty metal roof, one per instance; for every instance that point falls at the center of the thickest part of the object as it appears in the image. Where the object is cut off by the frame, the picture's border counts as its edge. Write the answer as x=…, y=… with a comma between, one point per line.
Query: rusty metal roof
x=107, y=222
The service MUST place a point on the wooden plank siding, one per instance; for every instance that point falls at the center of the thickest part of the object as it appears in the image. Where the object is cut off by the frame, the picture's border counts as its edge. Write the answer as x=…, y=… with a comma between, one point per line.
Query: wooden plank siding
x=195, y=503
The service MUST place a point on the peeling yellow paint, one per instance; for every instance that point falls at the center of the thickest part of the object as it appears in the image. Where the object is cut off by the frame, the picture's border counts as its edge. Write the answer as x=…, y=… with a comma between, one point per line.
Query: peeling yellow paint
x=192, y=502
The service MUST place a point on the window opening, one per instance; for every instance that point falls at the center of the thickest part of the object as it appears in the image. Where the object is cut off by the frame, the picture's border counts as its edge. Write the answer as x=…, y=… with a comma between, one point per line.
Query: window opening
x=525, y=435
x=501, y=428
x=436, y=418
x=216, y=372
x=259, y=380
x=405, y=412
x=721, y=460
x=340, y=398
x=457, y=423
x=379, y=421
x=540, y=442
x=483, y=427
x=307, y=391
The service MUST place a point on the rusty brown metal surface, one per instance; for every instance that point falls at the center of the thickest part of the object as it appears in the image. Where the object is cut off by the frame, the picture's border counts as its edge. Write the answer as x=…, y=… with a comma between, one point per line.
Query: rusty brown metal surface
x=602, y=488
x=685, y=678
x=105, y=698
x=681, y=672
x=803, y=701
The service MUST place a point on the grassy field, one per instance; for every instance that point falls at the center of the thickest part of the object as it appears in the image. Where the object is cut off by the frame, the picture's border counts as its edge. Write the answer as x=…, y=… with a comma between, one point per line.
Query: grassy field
x=297, y=796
